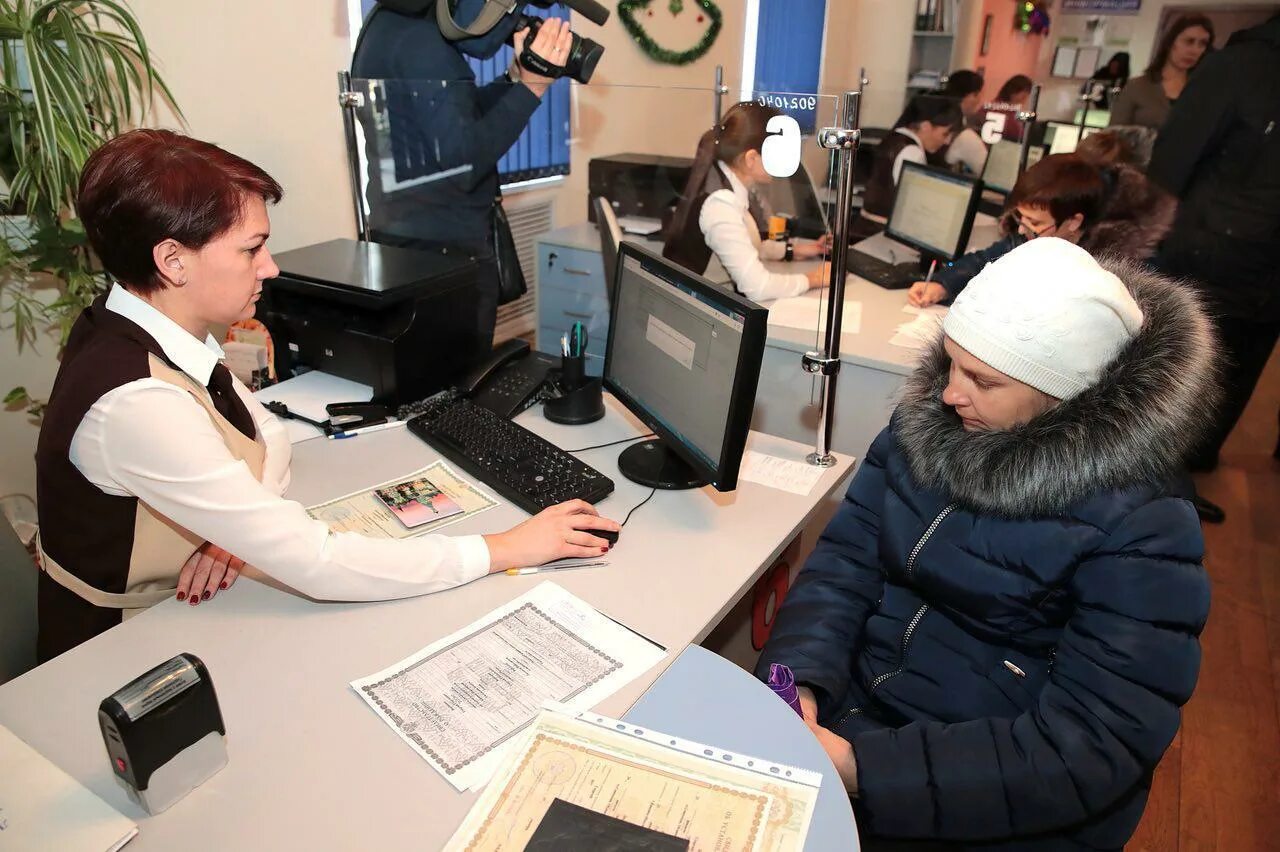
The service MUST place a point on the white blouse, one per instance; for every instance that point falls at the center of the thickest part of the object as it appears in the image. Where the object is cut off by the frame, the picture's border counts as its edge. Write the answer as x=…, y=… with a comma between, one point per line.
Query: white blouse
x=733, y=235
x=151, y=440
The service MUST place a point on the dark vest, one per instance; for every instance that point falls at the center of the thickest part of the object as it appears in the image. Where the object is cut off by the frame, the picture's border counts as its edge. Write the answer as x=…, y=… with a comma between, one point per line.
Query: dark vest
x=881, y=188
x=686, y=245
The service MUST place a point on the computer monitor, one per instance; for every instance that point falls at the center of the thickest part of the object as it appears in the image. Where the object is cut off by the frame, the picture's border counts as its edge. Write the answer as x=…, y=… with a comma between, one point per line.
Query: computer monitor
x=797, y=197
x=1062, y=138
x=684, y=356
x=933, y=211
x=1001, y=170
x=610, y=234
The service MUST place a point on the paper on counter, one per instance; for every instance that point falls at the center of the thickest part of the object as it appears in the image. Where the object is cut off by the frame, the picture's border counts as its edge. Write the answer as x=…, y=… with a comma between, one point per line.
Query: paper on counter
x=364, y=513
x=712, y=798
x=42, y=807
x=808, y=313
x=784, y=474
x=933, y=310
x=308, y=395
x=461, y=702
x=920, y=332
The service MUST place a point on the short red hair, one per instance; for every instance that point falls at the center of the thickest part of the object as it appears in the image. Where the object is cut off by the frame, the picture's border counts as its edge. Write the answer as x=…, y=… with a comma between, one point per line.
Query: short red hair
x=146, y=186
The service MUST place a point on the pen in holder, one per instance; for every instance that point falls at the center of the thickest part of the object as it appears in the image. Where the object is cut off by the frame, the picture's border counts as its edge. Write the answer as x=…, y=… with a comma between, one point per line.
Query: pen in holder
x=582, y=398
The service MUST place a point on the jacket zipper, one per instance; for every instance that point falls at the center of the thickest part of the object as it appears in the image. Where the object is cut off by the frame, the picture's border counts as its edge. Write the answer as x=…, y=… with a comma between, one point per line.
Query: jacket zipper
x=919, y=615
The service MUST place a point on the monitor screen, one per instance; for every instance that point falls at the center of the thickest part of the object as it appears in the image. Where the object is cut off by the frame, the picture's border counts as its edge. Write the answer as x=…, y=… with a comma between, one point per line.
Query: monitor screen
x=1001, y=170
x=933, y=210
x=1065, y=136
x=684, y=356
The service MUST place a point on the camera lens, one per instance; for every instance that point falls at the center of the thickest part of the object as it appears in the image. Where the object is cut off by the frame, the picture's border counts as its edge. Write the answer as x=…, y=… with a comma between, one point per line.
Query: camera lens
x=584, y=56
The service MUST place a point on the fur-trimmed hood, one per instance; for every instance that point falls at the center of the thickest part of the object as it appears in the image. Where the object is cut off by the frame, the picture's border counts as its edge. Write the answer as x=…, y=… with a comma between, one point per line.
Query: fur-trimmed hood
x=1134, y=426
x=1137, y=216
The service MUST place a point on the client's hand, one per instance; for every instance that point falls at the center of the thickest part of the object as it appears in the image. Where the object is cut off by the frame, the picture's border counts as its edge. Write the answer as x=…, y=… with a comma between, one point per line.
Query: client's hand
x=808, y=705
x=840, y=751
x=925, y=293
x=560, y=532
x=209, y=569
x=552, y=43
x=808, y=250
x=819, y=276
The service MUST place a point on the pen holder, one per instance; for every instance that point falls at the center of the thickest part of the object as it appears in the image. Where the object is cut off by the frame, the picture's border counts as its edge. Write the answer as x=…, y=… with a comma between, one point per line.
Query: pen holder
x=582, y=398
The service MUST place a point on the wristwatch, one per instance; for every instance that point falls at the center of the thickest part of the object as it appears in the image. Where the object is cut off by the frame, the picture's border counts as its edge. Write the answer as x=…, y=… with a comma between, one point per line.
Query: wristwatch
x=790, y=253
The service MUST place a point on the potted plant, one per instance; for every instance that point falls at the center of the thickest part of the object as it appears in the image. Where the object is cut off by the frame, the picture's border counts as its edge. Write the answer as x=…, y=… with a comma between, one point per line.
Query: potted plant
x=74, y=73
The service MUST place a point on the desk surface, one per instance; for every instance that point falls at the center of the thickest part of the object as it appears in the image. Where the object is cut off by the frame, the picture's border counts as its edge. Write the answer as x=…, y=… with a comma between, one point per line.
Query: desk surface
x=311, y=767
x=760, y=725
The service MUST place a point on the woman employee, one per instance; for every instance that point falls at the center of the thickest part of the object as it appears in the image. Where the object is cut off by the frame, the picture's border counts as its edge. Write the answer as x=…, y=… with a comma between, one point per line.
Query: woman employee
x=158, y=473
x=714, y=216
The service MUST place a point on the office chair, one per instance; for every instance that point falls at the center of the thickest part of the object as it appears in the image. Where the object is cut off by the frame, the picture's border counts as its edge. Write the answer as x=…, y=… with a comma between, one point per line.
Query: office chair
x=18, y=575
x=610, y=238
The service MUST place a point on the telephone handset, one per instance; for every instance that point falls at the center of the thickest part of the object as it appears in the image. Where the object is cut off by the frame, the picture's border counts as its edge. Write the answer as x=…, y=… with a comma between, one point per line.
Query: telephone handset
x=511, y=379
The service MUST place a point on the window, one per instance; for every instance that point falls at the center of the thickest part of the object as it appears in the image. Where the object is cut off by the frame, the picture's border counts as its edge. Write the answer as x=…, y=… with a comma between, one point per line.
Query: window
x=542, y=151
x=783, y=51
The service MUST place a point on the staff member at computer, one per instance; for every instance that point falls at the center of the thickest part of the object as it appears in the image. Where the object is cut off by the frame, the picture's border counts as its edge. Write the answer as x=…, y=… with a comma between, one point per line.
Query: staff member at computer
x=714, y=216
x=967, y=148
x=1111, y=210
x=158, y=473
x=929, y=123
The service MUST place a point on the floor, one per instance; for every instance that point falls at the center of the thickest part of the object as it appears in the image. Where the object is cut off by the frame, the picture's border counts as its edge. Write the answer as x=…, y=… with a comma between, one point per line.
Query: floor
x=1218, y=787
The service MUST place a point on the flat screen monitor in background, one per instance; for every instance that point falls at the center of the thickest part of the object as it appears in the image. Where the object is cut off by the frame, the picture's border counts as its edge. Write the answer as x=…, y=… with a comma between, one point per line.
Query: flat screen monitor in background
x=933, y=211
x=1001, y=171
x=1062, y=138
x=684, y=356
x=797, y=197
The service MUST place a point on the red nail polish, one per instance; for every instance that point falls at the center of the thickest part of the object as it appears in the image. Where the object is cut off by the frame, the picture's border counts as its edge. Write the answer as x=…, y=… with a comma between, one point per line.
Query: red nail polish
x=604, y=549
x=182, y=596
x=223, y=585
x=195, y=599
x=205, y=595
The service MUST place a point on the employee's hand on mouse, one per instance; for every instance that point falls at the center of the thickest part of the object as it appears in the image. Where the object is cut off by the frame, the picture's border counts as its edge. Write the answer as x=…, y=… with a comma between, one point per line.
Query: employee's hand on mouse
x=819, y=276
x=560, y=532
x=925, y=293
x=809, y=249
x=552, y=43
x=209, y=569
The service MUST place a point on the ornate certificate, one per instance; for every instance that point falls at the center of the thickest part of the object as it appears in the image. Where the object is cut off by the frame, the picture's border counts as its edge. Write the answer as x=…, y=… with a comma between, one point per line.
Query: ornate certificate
x=459, y=701
x=717, y=801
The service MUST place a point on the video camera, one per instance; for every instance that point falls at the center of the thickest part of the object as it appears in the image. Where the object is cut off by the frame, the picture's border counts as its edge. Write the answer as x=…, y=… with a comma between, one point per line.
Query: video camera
x=502, y=18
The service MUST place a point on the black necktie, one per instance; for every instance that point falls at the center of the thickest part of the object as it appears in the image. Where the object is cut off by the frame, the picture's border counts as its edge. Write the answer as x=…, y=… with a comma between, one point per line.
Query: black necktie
x=228, y=402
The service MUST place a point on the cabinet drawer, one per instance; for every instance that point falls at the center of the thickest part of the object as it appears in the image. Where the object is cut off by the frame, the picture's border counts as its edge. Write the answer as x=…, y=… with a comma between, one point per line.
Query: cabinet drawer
x=570, y=269
x=562, y=308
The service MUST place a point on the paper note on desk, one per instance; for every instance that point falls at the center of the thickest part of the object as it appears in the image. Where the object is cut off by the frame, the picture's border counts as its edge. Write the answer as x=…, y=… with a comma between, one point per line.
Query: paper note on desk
x=920, y=332
x=42, y=807
x=795, y=476
x=646, y=781
x=308, y=395
x=461, y=702
x=808, y=313
x=367, y=513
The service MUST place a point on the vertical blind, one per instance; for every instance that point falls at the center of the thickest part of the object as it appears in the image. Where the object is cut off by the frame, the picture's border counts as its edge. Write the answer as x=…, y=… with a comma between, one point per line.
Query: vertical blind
x=789, y=55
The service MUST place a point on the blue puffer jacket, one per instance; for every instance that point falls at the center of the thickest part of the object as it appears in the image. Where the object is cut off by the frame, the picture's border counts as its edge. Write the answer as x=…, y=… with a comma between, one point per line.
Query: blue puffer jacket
x=1005, y=624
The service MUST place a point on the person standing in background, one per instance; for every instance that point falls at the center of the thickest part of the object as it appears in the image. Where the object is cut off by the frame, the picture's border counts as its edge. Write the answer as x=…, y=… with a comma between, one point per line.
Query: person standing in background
x=1219, y=152
x=1113, y=75
x=1146, y=100
x=967, y=149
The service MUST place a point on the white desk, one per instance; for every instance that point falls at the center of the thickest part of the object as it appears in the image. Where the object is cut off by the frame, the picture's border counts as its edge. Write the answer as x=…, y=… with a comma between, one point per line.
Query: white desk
x=311, y=767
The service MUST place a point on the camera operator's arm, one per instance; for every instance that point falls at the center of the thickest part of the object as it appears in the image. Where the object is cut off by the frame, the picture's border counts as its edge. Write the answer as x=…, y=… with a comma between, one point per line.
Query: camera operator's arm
x=552, y=43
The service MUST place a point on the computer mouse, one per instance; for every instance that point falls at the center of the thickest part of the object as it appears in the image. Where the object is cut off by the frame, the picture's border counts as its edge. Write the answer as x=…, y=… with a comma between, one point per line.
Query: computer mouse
x=608, y=535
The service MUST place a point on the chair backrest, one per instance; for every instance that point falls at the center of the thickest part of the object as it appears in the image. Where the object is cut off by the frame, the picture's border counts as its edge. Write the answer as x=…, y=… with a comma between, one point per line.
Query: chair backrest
x=18, y=575
x=610, y=238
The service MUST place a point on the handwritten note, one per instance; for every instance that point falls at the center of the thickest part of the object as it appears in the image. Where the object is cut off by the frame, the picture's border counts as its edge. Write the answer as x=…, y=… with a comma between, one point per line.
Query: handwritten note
x=797, y=477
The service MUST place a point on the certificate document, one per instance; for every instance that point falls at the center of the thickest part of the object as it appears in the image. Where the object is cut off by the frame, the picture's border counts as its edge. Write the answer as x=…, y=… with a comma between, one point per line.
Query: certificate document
x=460, y=701
x=716, y=801
x=368, y=513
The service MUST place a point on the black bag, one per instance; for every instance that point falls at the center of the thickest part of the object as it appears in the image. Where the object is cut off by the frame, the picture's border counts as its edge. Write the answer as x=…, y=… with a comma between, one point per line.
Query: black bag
x=511, y=283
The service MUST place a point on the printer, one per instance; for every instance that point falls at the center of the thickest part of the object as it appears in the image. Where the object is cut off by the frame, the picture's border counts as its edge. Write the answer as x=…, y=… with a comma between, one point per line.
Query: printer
x=403, y=321
x=638, y=185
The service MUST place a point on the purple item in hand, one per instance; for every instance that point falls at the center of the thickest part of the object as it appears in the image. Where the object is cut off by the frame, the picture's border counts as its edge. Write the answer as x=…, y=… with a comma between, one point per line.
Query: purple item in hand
x=783, y=683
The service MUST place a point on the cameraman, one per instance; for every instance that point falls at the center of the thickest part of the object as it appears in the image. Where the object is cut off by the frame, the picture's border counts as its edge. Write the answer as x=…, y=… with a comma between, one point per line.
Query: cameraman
x=444, y=121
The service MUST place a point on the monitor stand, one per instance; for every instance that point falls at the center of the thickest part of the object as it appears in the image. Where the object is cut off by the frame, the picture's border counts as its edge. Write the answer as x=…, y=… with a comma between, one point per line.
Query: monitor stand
x=652, y=463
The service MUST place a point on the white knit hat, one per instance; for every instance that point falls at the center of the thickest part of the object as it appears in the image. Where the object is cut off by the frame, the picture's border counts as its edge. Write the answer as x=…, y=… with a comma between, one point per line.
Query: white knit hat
x=1047, y=315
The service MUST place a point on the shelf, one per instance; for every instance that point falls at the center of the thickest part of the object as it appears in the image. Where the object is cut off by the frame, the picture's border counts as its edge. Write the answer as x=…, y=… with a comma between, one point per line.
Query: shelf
x=932, y=34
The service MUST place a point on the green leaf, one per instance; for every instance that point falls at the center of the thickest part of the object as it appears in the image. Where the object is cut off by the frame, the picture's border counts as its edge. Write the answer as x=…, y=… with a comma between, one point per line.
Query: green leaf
x=17, y=396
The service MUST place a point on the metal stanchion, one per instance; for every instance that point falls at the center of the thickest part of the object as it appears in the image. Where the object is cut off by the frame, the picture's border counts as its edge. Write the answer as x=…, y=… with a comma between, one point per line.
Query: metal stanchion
x=1028, y=119
x=350, y=101
x=826, y=363
x=721, y=91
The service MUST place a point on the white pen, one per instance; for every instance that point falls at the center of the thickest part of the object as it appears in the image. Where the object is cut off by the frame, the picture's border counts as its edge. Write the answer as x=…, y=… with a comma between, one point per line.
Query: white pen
x=360, y=430
x=516, y=572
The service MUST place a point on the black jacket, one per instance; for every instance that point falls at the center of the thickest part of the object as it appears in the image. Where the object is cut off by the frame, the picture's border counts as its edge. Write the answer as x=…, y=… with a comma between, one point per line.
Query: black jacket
x=1219, y=152
x=439, y=119
x=1004, y=624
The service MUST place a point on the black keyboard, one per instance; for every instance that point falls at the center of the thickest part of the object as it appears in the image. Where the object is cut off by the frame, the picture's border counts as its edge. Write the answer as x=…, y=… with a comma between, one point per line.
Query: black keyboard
x=891, y=276
x=525, y=469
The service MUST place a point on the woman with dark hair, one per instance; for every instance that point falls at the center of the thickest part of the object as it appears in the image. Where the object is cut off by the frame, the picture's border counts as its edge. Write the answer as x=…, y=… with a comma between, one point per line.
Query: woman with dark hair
x=1104, y=208
x=1146, y=100
x=927, y=124
x=1015, y=90
x=967, y=149
x=159, y=475
x=714, y=216
x=1111, y=76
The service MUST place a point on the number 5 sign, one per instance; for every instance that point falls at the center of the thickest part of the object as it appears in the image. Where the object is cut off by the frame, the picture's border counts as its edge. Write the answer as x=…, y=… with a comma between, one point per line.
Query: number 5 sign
x=781, y=148
x=993, y=127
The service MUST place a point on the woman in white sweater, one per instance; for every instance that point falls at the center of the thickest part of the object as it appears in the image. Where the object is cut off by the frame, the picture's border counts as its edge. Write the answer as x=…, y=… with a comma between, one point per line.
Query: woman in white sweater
x=714, y=216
